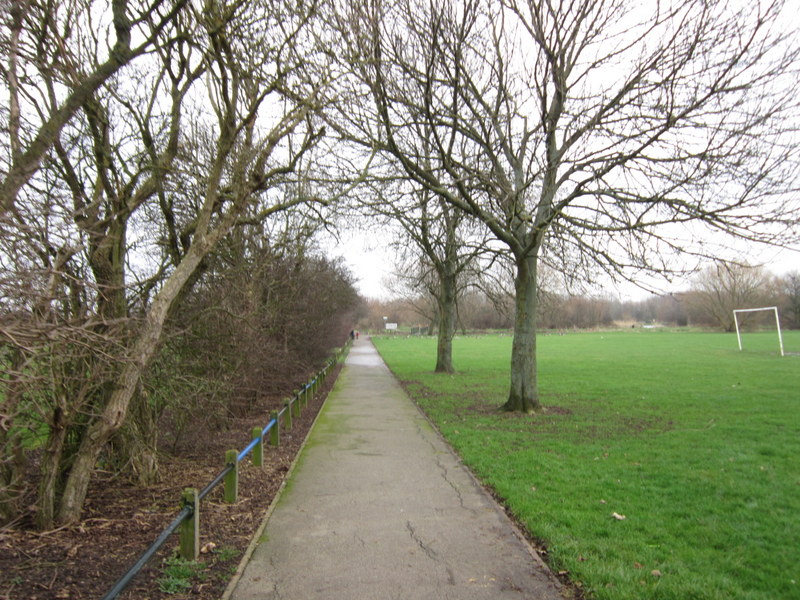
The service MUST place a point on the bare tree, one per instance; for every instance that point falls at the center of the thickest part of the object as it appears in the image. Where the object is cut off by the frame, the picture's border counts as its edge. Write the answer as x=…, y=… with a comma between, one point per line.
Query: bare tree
x=45, y=39
x=414, y=283
x=251, y=63
x=143, y=186
x=791, y=295
x=438, y=246
x=724, y=287
x=586, y=133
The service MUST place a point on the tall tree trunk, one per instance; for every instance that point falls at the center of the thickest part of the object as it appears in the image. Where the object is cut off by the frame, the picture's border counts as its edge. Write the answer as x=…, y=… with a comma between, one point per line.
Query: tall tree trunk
x=12, y=476
x=524, y=393
x=135, y=446
x=447, y=321
x=13, y=468
x=113, y=415
x=432, y=324
x=13, y=461
x=107, y=262
x=50, y=470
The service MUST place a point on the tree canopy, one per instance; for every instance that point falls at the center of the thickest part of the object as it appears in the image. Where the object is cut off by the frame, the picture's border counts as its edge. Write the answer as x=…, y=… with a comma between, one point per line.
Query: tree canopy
x=153, y=151
x=584, y=134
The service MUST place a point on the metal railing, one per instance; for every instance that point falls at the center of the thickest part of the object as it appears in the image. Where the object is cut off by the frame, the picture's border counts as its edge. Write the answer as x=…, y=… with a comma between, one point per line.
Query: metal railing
x=187, y=519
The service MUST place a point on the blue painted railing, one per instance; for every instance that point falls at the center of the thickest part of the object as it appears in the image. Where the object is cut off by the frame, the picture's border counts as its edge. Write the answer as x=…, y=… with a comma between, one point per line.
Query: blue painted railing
x=188, y=510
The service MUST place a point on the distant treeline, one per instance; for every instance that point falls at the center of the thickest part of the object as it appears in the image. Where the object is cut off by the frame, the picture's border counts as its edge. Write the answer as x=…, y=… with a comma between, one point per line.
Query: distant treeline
x=709, y=302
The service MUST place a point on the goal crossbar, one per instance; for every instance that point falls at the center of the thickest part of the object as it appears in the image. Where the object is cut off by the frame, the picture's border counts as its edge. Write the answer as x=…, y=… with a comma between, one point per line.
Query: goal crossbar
x=748, y=310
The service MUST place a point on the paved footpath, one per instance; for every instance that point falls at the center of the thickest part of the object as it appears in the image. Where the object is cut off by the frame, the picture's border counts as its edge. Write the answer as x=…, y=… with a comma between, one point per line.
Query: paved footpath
x=378, y=507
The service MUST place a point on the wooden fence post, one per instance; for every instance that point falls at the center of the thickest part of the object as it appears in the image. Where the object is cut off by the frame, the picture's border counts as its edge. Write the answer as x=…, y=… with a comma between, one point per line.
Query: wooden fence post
x=232, y=478
x=190, y=528
x=287, y=415
x=296, y=402
x=275, y=432
x=258, y=450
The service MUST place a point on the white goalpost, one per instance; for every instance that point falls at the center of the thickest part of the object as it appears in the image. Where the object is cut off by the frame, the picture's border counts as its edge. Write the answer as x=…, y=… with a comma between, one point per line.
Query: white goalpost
x=749, y=310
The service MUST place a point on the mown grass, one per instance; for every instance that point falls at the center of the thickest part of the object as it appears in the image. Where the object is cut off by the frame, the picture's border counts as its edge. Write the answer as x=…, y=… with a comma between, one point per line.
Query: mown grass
x=695, y=443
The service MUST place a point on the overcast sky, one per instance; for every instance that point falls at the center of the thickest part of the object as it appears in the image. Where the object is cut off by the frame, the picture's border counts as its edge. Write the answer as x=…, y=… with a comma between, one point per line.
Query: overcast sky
x=371, y=260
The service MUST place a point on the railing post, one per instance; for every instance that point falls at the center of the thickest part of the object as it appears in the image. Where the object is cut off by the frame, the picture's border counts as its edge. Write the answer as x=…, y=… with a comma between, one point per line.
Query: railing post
x=190, y=528
x=287, y=414
x=188, y=520
x=232, y=478
x=258, y=450
x=275, y=432
x=296, y=402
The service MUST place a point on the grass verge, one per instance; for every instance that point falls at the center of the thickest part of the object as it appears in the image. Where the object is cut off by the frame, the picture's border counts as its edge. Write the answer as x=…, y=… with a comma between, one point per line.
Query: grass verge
x=694, y=443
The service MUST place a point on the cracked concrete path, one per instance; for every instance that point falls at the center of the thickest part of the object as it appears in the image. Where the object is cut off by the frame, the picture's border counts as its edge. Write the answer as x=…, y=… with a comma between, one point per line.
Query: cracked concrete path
x=378, y=507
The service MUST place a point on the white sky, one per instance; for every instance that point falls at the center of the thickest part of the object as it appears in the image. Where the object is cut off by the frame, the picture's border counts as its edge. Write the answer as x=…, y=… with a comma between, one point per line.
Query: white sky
x=371, y=260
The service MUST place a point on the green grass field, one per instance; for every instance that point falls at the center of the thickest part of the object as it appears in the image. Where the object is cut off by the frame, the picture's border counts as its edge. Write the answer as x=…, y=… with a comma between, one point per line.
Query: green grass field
x=696, y=444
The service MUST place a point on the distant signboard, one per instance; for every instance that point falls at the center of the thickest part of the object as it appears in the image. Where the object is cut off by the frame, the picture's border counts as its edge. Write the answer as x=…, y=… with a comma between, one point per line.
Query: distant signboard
x=391, y=325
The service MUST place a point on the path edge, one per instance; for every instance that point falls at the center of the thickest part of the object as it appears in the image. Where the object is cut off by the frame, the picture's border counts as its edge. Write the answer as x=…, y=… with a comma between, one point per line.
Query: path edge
x=564, y=590
x=254, y=542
